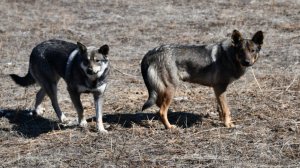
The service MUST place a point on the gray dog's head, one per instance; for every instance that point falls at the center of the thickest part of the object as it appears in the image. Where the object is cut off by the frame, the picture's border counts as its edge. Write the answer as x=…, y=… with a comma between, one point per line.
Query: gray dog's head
x=247, y=49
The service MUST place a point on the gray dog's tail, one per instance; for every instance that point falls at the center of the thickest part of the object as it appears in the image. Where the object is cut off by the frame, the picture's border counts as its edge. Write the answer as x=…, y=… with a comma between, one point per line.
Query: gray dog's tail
x=152, y=93
x=150, y=102
x=23, y=81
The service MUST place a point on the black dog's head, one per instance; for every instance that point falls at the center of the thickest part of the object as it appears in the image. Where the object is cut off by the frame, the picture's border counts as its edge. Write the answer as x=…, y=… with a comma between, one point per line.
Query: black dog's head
x=95, y=62
x=247, y=49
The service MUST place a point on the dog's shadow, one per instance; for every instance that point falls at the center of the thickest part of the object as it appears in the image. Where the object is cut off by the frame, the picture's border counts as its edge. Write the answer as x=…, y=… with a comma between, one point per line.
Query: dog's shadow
x=31, y=126
x=28, y=125
x=127, y=120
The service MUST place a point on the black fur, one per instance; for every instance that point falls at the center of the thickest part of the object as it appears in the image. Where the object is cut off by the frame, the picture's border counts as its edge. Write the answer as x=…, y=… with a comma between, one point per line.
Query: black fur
x=104, y=49
x=27, y=80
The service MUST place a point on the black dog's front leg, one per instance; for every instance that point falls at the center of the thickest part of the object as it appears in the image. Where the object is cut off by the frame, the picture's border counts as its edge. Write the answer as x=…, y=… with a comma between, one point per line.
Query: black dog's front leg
x=75, y=97
x=99, y=100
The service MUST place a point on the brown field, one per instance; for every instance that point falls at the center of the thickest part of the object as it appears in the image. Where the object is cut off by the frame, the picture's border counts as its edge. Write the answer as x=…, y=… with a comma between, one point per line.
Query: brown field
x=265, y=102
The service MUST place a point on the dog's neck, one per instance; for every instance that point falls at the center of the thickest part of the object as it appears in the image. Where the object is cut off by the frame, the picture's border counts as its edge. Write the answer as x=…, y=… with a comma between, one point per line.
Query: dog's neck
x=93, y=83
x=69, y=64
x=90, y=83
x=236, y=68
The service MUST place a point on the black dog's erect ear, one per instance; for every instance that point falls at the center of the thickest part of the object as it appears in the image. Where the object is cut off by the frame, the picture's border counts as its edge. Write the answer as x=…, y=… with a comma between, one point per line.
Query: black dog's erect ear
x=258, y=38
x=104, y=49
x=236, y=37
x=81, y=47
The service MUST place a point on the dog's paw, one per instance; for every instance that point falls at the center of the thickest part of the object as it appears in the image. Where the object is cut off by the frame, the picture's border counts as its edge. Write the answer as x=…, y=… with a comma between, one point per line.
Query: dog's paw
x=171, y=127
x=63, y=118
x=83, y=123
x=229, y=125
x=39, y=110
x=102, y=130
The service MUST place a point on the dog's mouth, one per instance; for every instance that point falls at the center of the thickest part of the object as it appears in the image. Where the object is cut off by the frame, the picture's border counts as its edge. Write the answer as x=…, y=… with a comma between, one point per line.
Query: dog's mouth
x=90, y=71
x=246, y=63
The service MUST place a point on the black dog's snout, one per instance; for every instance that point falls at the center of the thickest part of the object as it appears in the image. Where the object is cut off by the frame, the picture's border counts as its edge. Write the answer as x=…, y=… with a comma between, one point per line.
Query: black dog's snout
x=90, y=71
x=246, y=63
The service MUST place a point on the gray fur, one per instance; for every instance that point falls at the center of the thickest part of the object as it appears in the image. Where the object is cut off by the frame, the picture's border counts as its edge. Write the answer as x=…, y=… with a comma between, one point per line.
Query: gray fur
x=214, y=65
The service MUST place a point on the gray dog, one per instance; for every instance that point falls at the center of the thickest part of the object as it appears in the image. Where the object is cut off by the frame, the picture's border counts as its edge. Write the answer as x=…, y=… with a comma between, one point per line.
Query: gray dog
x=215, y=65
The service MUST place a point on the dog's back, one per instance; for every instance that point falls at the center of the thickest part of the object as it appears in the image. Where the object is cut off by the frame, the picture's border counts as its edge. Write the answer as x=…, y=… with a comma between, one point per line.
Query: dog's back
x=51, y=56
x=48, y=58
x=206, y=64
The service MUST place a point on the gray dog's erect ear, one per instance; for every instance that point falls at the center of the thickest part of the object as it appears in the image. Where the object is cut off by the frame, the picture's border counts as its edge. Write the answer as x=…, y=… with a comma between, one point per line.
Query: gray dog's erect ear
x=81, y=47
x=258, y=38
x=104, y=49
x=236, y=37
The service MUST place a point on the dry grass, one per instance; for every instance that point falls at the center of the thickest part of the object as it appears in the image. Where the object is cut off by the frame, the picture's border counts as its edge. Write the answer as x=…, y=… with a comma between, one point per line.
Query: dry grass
x=265, y=102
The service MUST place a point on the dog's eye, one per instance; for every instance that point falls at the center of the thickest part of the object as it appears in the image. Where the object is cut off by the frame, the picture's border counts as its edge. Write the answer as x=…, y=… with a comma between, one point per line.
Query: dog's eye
x=97, y=60
x=85, y=62
x=252, y=50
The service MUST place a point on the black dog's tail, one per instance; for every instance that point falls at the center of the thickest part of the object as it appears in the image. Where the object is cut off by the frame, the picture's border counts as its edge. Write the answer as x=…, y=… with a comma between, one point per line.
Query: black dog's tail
x=23, y=81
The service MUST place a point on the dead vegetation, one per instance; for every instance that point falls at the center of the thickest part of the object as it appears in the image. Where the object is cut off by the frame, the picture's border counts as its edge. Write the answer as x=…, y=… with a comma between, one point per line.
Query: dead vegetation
x=265, y=102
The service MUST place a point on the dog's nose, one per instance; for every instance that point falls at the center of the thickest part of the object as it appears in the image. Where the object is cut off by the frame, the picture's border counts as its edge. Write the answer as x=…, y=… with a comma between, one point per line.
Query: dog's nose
x=89, y=71
x=246, y=63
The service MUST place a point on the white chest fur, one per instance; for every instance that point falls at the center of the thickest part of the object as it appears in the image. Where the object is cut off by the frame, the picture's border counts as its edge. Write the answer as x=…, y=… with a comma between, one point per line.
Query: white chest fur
x=101, y=88
x=214, y=52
